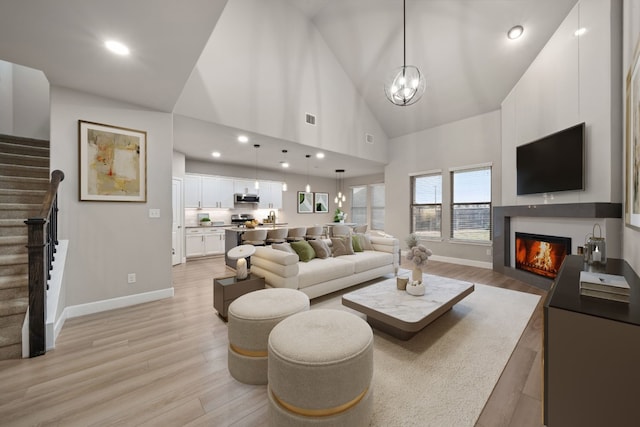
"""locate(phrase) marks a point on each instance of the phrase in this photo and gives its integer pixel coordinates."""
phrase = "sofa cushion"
(322, 270)
(365, 241)
(321, 248)
(342, 246)
(304, 250)
(355, 241)
(368, 260)
(286, 247)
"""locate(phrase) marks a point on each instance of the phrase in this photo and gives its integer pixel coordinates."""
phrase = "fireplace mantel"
(502, 231)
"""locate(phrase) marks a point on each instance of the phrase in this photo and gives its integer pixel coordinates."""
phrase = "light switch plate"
(154, 213)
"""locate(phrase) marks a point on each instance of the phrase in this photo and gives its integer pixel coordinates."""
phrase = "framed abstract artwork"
(321, 202)
(113, 163)
(632, 171)
(305, 202)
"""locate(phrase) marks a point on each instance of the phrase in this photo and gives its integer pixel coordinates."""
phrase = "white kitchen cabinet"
(208, 192)
(192, 191)
(217, 192)
(203, 241)
(270, 195)
(244, 186)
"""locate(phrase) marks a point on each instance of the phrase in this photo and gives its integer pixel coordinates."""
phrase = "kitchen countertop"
(260, 226)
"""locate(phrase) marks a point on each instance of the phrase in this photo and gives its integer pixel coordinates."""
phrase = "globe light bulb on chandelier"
(308, 186)
(256, 184)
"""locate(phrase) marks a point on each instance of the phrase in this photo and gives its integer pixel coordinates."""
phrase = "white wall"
(108, 240)
(573, 79)
(24, 101)
(630, 41)
(281, 68)
(472, 141)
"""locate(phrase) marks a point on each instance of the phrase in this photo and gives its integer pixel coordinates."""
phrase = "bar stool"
(340, 230)
(314, 232)
(277, 235)
(254, 237)
(296, 234)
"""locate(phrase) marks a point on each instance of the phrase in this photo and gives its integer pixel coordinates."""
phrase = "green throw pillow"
(304, 250)
(355, 240)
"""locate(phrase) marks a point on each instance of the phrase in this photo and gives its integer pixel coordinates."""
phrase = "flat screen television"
(553, 163)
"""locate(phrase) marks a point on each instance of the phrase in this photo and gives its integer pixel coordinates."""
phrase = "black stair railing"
(41, 244)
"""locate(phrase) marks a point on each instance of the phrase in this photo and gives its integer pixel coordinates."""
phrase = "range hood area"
(240, 198)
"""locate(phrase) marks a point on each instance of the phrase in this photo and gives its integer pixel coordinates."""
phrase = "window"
(377, 207)
(359, 205)
(426, 205)
(471, 207)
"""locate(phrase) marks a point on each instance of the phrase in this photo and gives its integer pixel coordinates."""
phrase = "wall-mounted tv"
(553, 163)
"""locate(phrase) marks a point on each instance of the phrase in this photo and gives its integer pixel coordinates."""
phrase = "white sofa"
(322, 276)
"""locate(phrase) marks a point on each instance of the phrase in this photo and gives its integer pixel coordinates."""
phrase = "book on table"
(602, 282)
(604, 295)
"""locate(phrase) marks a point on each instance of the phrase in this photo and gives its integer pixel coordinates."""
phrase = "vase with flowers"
(418, 255)
(339, 216)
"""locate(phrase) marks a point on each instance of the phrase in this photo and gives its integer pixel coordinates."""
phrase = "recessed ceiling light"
(284, 164)
(320, 155)
(116, 47)
(216, 154)
(243, 138)
(515, 32)
(580, 31)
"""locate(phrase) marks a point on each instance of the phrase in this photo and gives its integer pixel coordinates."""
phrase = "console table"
(591, 351)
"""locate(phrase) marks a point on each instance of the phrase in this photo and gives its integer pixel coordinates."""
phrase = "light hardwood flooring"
(164, 364)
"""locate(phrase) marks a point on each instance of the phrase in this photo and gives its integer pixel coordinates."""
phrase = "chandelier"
(406, 85)
(340, 196)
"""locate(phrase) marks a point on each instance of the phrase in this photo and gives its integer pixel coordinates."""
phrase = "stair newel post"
(37, 247)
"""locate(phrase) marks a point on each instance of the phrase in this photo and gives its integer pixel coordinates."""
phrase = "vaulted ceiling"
(460, 45)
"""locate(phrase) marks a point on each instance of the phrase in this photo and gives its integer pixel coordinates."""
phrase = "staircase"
(24, 178)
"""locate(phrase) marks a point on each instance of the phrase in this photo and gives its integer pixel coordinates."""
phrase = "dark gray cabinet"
(591, 352)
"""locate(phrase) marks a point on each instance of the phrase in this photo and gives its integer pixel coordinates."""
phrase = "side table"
(227, 289)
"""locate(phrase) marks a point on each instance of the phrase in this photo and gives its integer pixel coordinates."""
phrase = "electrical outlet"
(154, 213)
(131, 278)
(489, 251)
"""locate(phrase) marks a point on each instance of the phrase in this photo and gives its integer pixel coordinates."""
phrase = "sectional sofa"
(322, 276)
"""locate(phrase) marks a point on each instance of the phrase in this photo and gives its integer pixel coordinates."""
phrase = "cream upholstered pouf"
(251, 318)
(320, 370)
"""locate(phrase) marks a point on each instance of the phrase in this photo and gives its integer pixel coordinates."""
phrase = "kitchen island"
(233, 238)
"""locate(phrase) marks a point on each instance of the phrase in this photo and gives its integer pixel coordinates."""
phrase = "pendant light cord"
(404, 32)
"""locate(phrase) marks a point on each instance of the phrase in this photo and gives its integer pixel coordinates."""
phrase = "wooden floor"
(164, 364)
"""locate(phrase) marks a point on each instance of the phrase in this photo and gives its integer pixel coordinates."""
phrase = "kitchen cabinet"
(202, 241)
(217, 192)
(270, 195)
(208, 192)
(244, 186)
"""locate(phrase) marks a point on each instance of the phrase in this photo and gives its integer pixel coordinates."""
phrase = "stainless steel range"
(240, 219)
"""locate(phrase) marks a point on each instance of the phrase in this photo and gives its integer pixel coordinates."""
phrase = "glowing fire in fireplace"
(541, 255)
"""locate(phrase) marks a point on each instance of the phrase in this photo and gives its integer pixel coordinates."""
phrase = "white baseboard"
(462, 261)
(120, 302)
(459, 261)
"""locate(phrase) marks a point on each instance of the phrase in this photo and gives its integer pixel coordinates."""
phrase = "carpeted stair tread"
(13, 259)
(13, 240)
(10, 335)
(18, 210)
(13, 227)
(24, 183)
(14, 306)
(24, 160)
(16, 196)
(11, 352)
(14, 281)
(24, 171)
(29, 150)
(30, 142)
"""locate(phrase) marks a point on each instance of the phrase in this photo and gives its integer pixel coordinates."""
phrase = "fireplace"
(541, 255)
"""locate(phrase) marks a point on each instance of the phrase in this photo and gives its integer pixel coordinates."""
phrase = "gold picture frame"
(632, 161)
(113, 163)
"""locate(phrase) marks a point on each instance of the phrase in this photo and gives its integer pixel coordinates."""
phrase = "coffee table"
(400, 314)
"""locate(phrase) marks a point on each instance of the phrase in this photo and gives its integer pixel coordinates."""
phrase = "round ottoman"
(320, 370)
(251, 318)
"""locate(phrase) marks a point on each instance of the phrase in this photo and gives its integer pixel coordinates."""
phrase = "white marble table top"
(384, 298)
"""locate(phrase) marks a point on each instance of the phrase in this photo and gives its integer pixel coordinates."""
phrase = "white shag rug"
(445, 374)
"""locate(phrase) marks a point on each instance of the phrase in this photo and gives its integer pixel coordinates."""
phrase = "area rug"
(444, 375)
